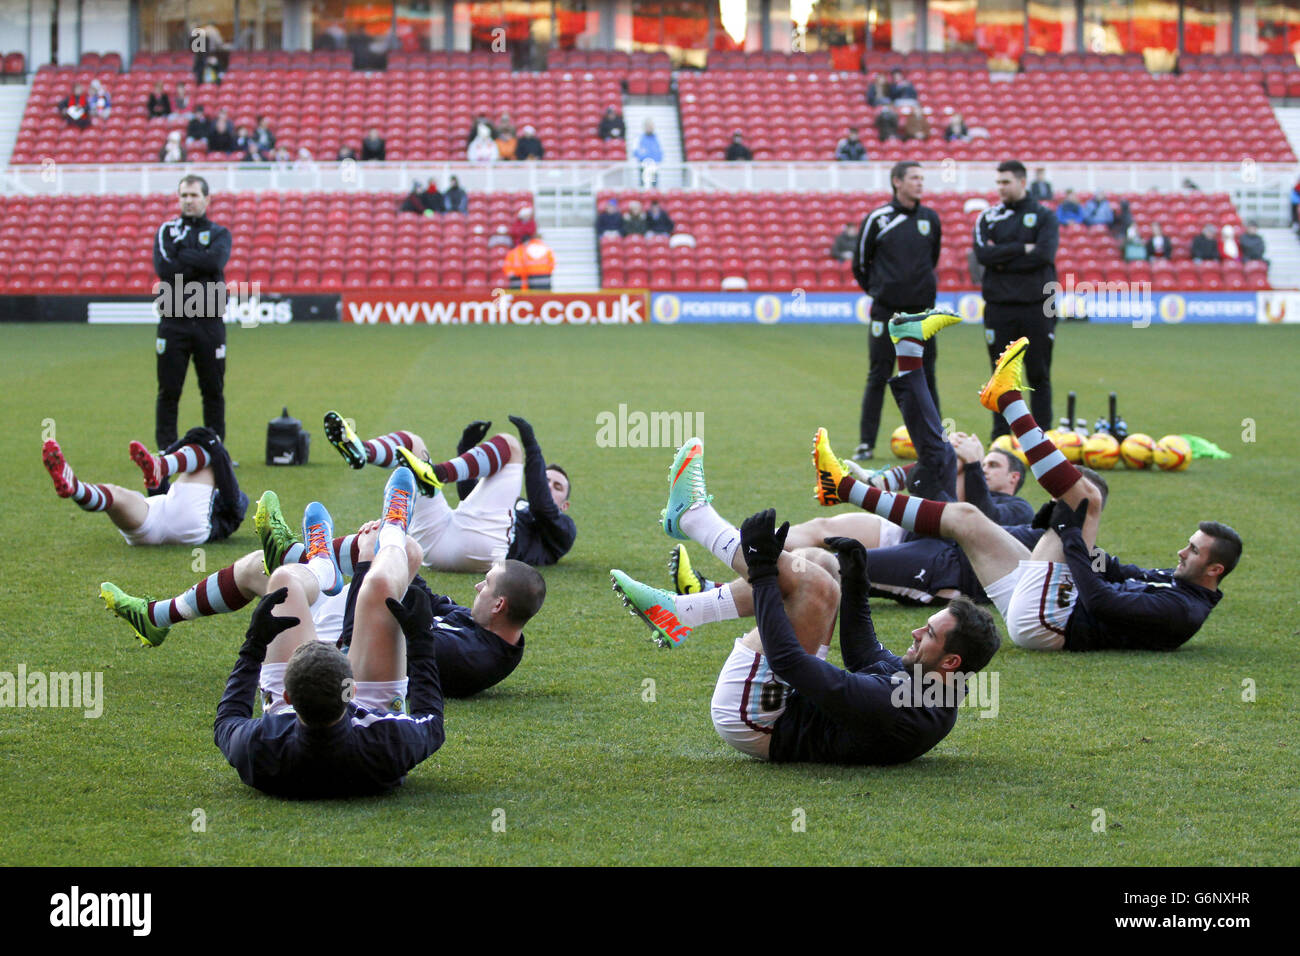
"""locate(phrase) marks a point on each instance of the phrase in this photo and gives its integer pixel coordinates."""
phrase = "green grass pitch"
(568, 758)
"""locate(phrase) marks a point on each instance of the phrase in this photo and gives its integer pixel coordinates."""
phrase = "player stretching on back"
(491, 523)
(336, 725)
(1056, 598)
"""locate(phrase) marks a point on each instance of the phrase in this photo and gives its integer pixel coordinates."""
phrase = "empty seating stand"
(781, 241)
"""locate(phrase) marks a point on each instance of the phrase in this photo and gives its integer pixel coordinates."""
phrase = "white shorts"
(1036, 601)
(890, 534)
(378, 697)
(182, 516)
(327, 616)
(747, 701)
(476, 534)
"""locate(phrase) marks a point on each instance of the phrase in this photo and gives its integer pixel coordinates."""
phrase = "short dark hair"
(974, 635)
(523, 588)
(316, 682)
(1015, 167)
(1098, 481)
(899, 171)
(1226, 549)
(554, 467)
(1014, 464)
(191, 178)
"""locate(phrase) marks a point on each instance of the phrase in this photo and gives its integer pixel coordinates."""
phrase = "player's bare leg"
(803, 577)
(303, 590)
(811, 533)
(378, 648)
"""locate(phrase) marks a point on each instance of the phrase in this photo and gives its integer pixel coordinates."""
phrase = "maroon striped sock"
(480, 461)
(382, 451)
(915, 514)
(216, 594)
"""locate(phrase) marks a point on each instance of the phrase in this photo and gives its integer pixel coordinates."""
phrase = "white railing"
(1259, 189)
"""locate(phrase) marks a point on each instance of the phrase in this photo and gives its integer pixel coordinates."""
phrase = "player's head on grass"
(315, 683)
(1003, 471)
(508, 596)
(1210, 555)
(1097, 481)
(961, 637)
(558, 479)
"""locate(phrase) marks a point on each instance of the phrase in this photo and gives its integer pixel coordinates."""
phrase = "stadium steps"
(1288, 117)
(13, 100)
(575, 257)
(1283, 254)
(663, 111)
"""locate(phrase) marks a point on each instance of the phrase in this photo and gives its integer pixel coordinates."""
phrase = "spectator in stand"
(346, 154)
(264, 137)
(878, 92)
(208, 69)
(101, 104)
(886, 123)
(243, 138)
(529, 146)
(181, 102)
(483, 148)
(283, 158)
(649, 154)
(955, 131)
(432, 199)
(1205, 248)
(1123, 219)
(844, 243)
(738, 151)
(75, 107)
(1040, 189)
(900, 88)
(634, 221)
(1228, 248)
(476, 129)
(500, 239)
(610, 221)
(612, 125)
(1069, 211)
(1134, 249)
(414, 201)
(507, 142)
(915, 125)
(530, 264)
(850, 149)
(173, 150)
(199, 128)
(524, 227)
(658, 222)
(454, 198)
(160, 104)
(1098, 211)
(1252, 243)
(1158, 244)
(304, 162)
(222, 137)
(373, 147)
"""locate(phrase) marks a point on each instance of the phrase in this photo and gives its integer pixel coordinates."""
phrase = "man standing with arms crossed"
(1016, 243)
(893, 262)
(190, 255)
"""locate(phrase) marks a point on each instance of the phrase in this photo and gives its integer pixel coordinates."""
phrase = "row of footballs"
(1099, 451)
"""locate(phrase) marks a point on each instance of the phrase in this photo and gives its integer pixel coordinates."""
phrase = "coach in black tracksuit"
(893, 261)
(190, 255)
(1016, 243)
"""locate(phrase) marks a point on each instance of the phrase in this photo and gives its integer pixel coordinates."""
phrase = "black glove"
(474, 433)
(415, 615)
(1064, 517)
(1043, 519)
(761, 544)
(853, 559)
(264, 627)
(525, 430)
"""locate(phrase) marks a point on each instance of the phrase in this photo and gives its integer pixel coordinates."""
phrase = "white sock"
(703, 525)
(706, 607)
(390, 536)
(323, 569)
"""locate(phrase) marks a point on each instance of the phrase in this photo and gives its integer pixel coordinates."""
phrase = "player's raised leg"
(186, 460)
(126, 509)
(381, 452)
(1003, 393)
